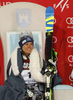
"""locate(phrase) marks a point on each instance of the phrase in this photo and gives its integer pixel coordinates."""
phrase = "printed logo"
(71, 76)
(23, 41)
(71, 84)
(70, 41)
(70, 58)
(4, 3)
(71, 65)
(62, 6)
(23, 17)
(54, 39)
(54, 20)
(28, 39)
(25, 65)
(69, 22)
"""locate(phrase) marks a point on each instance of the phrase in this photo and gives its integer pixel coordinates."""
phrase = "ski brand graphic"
(69, 22)
(23, 17)
(70, 41)
(49, 20)
(49, 23)
(62, 6)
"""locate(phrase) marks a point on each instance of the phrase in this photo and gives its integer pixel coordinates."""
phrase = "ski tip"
(49, 9)
(49, 18)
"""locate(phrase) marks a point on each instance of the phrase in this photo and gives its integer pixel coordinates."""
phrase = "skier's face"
(27, 48)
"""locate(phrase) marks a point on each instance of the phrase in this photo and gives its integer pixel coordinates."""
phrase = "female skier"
(28, 63)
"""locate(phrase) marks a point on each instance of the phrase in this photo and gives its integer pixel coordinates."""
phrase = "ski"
(49, 30)
(49, 18)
